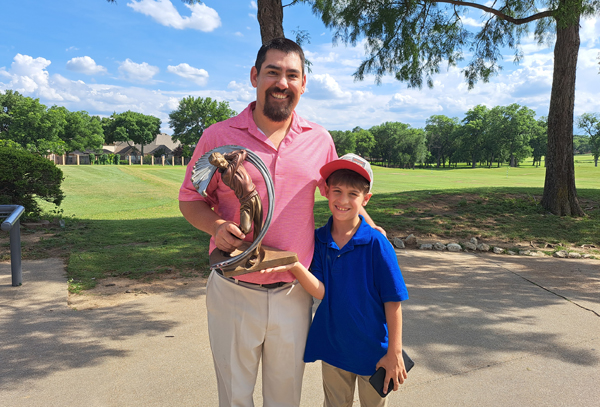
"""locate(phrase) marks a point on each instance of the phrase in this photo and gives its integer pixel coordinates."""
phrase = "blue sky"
(145, 55)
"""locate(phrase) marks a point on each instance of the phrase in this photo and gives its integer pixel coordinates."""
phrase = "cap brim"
(338, 164)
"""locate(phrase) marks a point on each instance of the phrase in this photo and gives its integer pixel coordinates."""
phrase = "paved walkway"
(484, 330)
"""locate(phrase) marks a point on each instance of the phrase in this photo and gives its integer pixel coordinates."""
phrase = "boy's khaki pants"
(247, 323)
(339, 387)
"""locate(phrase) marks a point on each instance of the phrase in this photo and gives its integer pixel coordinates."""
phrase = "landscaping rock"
(537, 254)
(524, 252)
(498, 250)
(561, 253)
(483, 247)
(574, 255)
(454, 247)
(411, 239)
(511, 252)
(426, 246)
(588, 256)
(470, 245)
(474, 240)
(398, 243)
(439, 246)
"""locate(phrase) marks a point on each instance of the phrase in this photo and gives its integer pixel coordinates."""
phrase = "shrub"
(25, 176)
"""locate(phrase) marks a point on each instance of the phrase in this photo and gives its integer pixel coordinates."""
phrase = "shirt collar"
(361, 236)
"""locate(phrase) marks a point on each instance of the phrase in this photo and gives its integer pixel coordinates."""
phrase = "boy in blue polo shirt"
(358, 325)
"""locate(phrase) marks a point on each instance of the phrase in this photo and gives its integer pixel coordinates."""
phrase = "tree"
(194, 115)
(131, 127)
(345, 141)
(410, 40)
(590, 123)
(539, 140)
(365, 142)
(440, 136)
(398, 144)
(29, 123)
(81, 131)
(473, 133)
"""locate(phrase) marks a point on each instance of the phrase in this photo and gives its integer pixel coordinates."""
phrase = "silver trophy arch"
(202, 174)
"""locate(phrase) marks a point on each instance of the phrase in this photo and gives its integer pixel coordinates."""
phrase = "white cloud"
(85, 65)
(203, 18)
(72, 49)
(242, 91)
(325, 87)
(137, 72)
(198, 76)
(253, 5)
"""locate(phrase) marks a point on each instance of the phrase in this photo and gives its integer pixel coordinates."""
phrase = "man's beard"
(275, 111)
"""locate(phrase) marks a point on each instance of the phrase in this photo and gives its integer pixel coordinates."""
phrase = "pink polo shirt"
(294, 168)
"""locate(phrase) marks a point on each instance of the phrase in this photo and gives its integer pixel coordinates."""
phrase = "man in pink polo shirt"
(256, 315)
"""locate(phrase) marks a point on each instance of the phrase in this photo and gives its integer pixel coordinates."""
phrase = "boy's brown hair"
(350, 179)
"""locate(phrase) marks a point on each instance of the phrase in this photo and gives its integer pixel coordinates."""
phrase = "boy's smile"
(345, 202)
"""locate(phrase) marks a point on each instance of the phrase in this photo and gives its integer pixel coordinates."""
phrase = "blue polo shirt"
(349, 330)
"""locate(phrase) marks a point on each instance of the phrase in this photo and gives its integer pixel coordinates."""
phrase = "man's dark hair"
(279, 44)
(350, 179)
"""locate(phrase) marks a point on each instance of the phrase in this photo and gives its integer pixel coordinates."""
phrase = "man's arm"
(227, 235)
(392, 362)
(365, 215)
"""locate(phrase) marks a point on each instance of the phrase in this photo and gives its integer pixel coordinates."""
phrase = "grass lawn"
(125, 221)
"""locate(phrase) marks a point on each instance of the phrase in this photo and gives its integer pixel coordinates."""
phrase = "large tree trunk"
(270, 18)
(560, 194)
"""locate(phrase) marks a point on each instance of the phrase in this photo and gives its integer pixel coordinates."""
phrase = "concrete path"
(484, 330)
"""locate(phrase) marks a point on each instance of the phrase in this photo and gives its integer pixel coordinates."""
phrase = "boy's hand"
(394, 369)
(279, 269)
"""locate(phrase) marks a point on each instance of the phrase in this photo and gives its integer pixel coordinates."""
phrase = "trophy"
(250, 256)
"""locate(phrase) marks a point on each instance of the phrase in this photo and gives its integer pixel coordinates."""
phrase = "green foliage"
(345, 141)
(441, 134)
(398, 144)
(81, 131)
(590, 123)
(25, 177)
(131, 126)
(194, 115)
(30, 124)
(365, 142)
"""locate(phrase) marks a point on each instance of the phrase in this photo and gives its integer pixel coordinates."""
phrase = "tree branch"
(499, 14)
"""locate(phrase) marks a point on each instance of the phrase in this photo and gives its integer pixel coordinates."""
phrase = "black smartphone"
(379, 376)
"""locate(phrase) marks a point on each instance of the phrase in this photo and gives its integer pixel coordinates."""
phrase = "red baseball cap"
(351, 162)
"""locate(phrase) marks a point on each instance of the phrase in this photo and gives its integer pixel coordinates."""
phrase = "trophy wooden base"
(269, 257)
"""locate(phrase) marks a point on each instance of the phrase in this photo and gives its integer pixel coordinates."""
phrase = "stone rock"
(524, 252)
(426, 246)
(474, 240)
(454, 247)
(411, 239)
(439, 246)
(511, 252)
(574, 255)
(537, 254)
(483, 247)
(587, 256)
(398, 243)
(470, 246)
(498, 250)
(561, 253)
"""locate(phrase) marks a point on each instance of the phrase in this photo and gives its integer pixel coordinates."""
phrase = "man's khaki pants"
(248, 322)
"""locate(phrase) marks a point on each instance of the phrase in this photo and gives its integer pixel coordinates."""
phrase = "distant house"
(162, 144)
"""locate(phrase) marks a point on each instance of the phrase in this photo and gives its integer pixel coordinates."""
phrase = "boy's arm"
(309, 282)
(392, 362)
